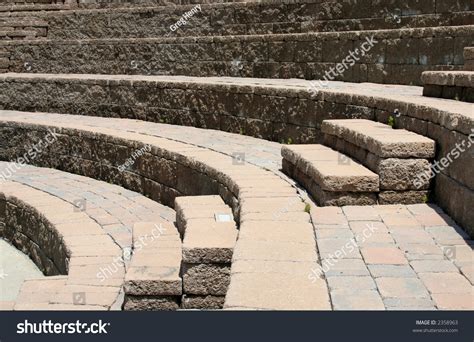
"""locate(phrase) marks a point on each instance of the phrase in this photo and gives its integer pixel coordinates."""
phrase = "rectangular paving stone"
(447, 282)
(409, 304)
(368, 226)
(344, 267)
(277, 232)
(384, 255)
(454, 301)
(338, 249)
(349, 299)
(274, 251)
(375, 240)
(273, 291)
(394, 271)
(328, 216)
(396, 287)
(334, 233)
(433, 266)
(361, 213)
(302, 269)
(352, 282)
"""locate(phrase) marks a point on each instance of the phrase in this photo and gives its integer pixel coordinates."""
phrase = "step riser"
(324, 197)
(308, 56)
(450, 85)
(236, 20)
(207, 250)
(395, 174)
(465, 94)
(403, 164)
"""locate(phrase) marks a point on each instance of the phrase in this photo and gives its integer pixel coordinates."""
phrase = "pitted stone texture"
(151, 303)
(206, 279)
(145, 18)
(446, 122)
(202, 302)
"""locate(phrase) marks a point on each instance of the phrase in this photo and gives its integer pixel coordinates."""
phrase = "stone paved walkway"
(380, 257)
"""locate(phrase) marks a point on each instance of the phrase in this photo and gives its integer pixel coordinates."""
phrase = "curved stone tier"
(250, 190)
(238, 19)
(46, 228)
(107, 213)
(397, 56)
(456, 85)
(275, 263)
(281, 110)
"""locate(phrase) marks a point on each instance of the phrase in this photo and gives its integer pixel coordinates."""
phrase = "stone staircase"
(118, 87)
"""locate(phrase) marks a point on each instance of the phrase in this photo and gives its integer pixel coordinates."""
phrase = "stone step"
(271, 109)
(200, 208)
(331, 177)
(208, 246)
(153, 280)
(231, 19)
(401, 158)
(469, 58)
(202, 170)
(49, 234)
(455, 85)
(393, 58)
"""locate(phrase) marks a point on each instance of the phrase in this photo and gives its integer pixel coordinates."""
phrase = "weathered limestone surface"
(206, 279)
(216, 166)
(249, 18)
(394, 57)
(151, 303)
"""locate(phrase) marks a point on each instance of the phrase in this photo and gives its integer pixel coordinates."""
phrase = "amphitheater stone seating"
(267, 56)
(182, 128)
(401, 158)
(153, 280)
(58, 248)
(208, 244)
(331, 177)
